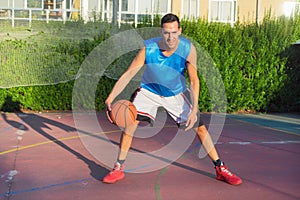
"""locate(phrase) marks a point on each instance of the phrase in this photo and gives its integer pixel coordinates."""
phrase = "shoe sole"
(111, 182)
(236, 184)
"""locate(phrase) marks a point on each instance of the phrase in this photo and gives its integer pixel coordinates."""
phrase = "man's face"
(170, 33)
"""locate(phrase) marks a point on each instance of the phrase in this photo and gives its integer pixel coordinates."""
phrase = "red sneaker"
(223, 174)
(115, 175)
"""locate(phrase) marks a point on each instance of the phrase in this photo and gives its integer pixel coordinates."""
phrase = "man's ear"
(180, 30)
(161, 31)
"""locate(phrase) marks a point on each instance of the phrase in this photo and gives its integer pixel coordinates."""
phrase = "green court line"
(157, 186)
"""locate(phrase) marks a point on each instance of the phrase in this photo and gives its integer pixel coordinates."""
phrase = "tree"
(115, 11)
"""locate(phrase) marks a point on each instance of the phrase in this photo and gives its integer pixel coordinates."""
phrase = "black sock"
(218, 163)
(120, 161)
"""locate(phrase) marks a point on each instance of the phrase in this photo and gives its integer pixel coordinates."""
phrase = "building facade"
(227, 11)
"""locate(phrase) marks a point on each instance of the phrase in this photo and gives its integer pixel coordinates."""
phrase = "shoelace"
(114, 170)
(223, 169)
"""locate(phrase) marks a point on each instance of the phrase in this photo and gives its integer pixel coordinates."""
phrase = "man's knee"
(201, 130)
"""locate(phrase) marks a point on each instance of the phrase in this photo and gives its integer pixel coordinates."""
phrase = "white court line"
(261, 142)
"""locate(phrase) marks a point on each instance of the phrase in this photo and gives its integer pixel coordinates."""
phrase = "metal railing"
(38, 14)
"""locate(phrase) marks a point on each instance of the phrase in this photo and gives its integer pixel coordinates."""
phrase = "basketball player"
(163, 85)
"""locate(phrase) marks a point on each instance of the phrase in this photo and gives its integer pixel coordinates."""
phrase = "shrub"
(257, 63)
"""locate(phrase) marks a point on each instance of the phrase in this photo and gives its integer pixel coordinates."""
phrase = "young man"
(163, 85)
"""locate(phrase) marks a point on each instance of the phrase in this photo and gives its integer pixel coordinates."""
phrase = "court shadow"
(40, 124)
(10, 105)
(15, 124)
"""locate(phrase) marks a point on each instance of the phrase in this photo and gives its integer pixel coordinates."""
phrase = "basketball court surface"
(43, 156)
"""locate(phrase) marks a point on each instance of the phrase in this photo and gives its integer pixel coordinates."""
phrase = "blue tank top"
(164, 75)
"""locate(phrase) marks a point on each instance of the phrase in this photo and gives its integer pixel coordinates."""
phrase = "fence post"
(114, 11)
(84, 12)
(152, 12)
(64, 12)
(102, 10)
(169, 6)
(30, 17)
(136, 8)
(120, 13)
(47, 16)
(13, 17)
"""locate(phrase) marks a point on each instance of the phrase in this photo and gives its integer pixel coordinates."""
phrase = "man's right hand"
(108, 103)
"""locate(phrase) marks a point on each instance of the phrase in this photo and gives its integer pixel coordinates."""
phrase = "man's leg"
(222, 172)
(125, 142)
(207, 143)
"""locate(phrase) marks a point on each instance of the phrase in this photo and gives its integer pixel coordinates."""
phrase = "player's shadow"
(10, 105)
(39, 124)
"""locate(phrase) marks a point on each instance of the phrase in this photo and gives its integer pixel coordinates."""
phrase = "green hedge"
(258, 64)
(252, 60)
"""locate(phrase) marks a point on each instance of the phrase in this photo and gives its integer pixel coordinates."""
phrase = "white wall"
(11, 3)
(146, 6)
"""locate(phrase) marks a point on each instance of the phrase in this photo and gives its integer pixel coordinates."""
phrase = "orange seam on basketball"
(125, 116)
(118, 107)
(132, 114)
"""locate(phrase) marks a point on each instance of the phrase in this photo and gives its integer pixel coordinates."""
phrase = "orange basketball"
(123, 113)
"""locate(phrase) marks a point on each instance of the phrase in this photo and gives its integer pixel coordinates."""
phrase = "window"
(4, 4)
(124, 5)
(16, 4)
(290, 8)
(222, 11)
(52, 4)
(34, 3)
(190, 8)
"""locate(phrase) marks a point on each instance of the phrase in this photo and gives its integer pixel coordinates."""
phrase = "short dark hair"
(168, 18)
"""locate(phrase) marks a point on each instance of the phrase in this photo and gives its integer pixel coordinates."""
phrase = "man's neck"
(165, 49)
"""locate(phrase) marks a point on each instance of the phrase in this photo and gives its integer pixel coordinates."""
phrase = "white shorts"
(147, 104)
